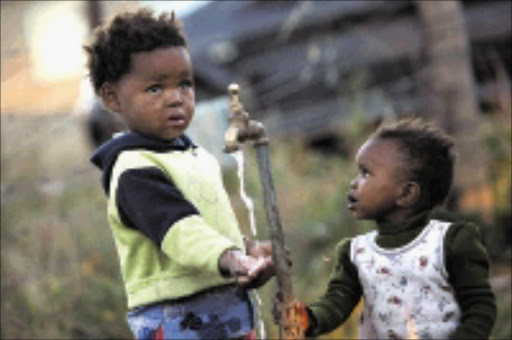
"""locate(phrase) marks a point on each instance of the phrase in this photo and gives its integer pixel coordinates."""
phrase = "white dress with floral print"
(405, 290)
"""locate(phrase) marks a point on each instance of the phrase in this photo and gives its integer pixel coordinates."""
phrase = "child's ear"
(409, 195)
(109, 97)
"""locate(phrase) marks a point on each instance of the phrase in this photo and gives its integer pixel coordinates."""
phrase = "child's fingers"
(249, 268)
(261, 273)
(261, 248)
(260, 264)
(243, 280)
(266, 247)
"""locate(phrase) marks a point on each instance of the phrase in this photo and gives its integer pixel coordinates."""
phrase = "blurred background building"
(302, 65)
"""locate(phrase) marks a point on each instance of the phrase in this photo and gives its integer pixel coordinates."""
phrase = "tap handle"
(234, 91)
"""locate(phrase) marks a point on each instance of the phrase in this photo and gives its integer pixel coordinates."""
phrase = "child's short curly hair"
(431, 157)
(110, 49)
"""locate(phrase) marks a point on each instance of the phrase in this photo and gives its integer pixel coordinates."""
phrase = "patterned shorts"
(220, 313)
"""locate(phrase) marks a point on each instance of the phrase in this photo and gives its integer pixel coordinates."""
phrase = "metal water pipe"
(240, 130)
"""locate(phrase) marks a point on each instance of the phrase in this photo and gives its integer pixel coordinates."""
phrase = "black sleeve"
(468, 268)
(341, 297)
(148, 200)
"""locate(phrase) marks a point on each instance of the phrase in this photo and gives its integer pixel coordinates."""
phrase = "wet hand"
(248, 271)
(261, 269)
(258, 248)
(263, 249)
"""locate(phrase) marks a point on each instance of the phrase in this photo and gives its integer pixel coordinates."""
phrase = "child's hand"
(263, 271)
(258, 248)
(249, 271)
(263, 249)
(295, 310)
(233, 263)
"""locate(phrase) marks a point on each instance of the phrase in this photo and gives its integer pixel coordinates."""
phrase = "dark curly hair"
(111, 46)
(430, 155)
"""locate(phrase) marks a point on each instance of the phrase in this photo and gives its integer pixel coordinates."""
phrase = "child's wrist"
(309, 321)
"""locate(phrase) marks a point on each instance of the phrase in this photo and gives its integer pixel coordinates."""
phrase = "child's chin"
(359, 216)
(354, 212)
(171, 136)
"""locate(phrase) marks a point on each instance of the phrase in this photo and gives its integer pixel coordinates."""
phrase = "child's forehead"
(164, 52)
(376, 149)
(158, 62)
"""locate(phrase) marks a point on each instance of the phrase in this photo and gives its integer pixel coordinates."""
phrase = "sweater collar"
(416, 221)
(105, 156)
(397, 234)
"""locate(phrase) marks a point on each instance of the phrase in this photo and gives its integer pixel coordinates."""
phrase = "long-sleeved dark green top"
(466, 261)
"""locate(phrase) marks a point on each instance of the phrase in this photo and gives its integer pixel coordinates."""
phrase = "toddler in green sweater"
(185, 265)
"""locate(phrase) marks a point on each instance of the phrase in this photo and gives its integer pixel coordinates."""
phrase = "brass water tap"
(240, 127)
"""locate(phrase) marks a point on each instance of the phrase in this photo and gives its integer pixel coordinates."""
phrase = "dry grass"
(59, 272)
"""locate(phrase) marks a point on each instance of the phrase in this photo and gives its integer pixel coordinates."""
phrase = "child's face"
(374, 192)
(156, 98)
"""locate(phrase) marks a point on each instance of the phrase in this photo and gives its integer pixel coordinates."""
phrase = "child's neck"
(406, 222)
(399, 233)
(398, 216)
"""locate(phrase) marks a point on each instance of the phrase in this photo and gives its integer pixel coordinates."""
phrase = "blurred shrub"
(60, 277)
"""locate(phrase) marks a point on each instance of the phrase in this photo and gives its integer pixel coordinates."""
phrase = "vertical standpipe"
(240, 130)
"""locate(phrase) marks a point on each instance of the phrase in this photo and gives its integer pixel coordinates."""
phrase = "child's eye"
(364, 172)
(156, 88)
(186, 84)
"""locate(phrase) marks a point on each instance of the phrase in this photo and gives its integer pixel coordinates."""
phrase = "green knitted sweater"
(170, 216)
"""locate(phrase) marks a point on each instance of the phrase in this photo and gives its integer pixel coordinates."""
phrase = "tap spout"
(241, 128)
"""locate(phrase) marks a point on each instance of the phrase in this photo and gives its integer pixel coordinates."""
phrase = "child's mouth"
(176, 121)
(352, 201)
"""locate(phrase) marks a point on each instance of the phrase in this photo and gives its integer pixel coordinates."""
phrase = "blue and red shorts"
(219, 313)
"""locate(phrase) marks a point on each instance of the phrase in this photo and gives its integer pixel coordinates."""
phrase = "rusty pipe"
(240, 130)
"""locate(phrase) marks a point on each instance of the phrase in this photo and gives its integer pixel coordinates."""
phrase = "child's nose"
(353, 183)
(173, 97)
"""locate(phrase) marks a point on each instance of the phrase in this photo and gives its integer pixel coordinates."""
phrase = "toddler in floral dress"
(419, 277)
